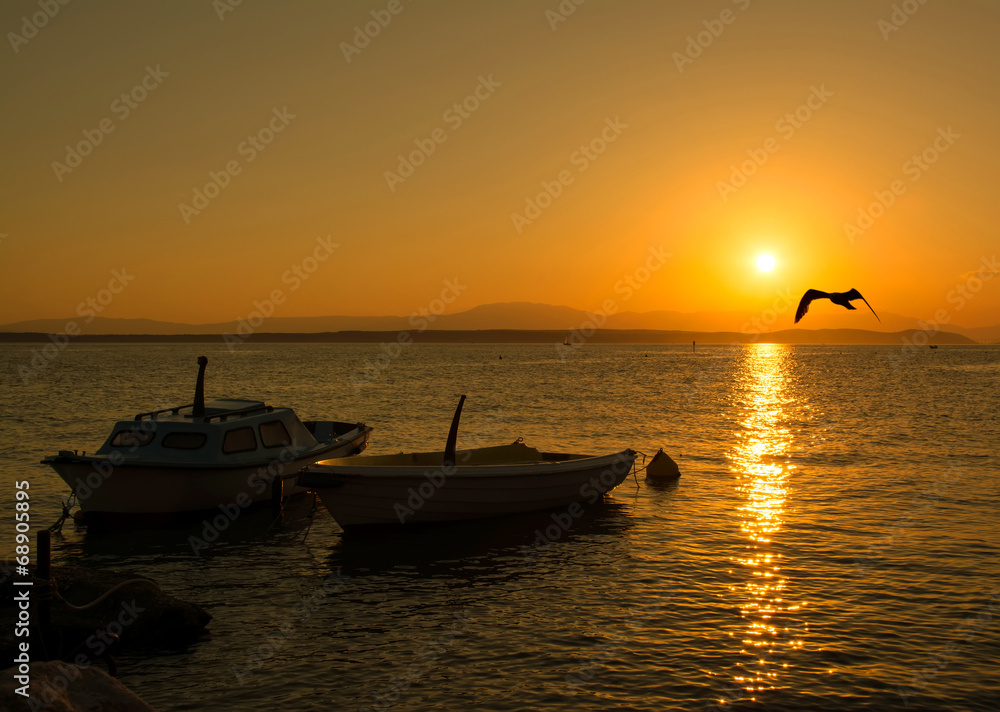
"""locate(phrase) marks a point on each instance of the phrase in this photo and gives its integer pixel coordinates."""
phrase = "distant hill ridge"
(908, 341)
(515, 316)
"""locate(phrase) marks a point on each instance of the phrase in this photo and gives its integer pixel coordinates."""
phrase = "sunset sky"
(556, 154)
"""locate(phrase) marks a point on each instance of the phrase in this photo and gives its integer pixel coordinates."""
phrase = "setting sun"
(765, 263)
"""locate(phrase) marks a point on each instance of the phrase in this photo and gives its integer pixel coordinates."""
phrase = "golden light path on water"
(759, 459)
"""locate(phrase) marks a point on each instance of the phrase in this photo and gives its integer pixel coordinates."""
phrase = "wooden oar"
(449, 448)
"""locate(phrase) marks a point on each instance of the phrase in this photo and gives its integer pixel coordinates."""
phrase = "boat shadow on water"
(198, 534)
(505, 545)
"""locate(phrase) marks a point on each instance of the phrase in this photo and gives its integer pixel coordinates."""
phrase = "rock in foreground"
(138, 614)
(61, 687)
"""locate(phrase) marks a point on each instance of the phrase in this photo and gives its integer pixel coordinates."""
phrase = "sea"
(833, 542)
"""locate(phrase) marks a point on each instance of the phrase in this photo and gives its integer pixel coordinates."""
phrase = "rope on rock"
(56, 595)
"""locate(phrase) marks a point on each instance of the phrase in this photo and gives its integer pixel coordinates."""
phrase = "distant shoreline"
(911, 337)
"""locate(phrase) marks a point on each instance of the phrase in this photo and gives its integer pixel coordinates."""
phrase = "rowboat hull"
(488, 482)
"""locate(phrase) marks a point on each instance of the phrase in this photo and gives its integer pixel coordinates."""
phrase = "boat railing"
(243, 411)
(222, 416)
(153, 413)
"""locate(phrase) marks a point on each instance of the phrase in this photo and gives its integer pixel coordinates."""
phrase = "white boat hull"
(361, 492)
(104, 489)
(200, 456)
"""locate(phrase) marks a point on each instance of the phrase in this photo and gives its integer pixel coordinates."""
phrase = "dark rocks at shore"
(61, 687)
(138, 613)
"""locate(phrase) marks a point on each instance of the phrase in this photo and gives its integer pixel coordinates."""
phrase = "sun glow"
(765, 263)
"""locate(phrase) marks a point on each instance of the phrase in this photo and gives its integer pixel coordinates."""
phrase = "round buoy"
(662, 467)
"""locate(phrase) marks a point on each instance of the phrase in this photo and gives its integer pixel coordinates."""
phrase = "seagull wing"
(855, 294)
(806, 299)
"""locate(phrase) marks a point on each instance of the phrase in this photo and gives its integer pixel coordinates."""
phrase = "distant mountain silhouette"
(911, 339)
(524, 316)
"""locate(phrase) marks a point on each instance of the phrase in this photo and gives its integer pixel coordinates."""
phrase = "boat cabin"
(229, 430)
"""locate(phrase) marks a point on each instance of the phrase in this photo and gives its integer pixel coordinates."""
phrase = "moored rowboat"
(484, 482)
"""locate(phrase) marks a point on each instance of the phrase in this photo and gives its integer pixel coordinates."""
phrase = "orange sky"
(632, 124)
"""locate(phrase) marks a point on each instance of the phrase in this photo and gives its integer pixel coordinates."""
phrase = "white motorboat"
(454, 485)
(201, 456)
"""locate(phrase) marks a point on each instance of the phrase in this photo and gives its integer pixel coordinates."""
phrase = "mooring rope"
(312, 515)
(636, 470)
(66, 506)
(54, 587)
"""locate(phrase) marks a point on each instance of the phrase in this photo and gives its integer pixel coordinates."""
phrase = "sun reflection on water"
(759, 459)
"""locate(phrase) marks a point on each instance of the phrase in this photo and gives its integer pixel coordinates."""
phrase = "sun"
(765, 263)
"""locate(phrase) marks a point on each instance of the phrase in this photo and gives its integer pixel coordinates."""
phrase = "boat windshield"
(239, 440)
(274, 434)
(132, 438)
(184, 440)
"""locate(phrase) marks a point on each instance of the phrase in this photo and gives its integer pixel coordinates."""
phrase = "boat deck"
(515, 454)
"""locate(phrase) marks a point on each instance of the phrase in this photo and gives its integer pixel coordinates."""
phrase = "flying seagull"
(844, 299)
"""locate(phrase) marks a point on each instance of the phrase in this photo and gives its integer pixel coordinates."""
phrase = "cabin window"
(239, 440)
(132, 438)
(273, 434)
(184, 441)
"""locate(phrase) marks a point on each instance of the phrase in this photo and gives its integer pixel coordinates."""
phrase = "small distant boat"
(196, 457)
(411, 488)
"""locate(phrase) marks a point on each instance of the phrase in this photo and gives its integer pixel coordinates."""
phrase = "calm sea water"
(832, 544)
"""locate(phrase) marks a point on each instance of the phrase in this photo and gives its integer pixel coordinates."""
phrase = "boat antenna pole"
(449, 448)
(198, 409)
